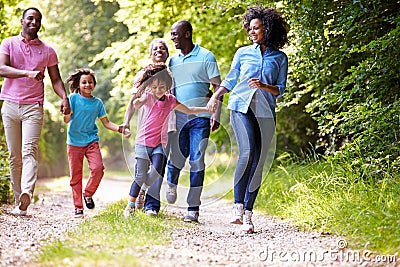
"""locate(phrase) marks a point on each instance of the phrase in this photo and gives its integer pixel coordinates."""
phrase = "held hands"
(65, 107)
(213, 105)
(123, 129)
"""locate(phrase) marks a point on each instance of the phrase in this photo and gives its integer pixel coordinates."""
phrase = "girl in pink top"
(152, 137)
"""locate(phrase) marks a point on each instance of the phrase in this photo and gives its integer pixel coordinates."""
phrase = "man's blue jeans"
(254, 136)
(190, 140)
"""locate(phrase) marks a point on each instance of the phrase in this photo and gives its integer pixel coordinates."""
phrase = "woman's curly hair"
(75, 78)
(275, 27)
(153, 71)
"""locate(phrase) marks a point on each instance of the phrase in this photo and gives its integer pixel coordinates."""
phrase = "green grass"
(330, 198)
(108, 239)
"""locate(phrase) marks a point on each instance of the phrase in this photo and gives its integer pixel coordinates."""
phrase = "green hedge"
(4, 169)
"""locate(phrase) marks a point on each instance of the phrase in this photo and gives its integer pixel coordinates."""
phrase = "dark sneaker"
(139, 203)
(89, 202)
(171, 194)
(78, 213)
(191, 216)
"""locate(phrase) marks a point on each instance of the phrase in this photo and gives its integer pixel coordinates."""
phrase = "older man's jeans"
(190, 140)
(254, 136)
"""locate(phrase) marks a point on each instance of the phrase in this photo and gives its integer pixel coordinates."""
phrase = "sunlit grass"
(109, 239)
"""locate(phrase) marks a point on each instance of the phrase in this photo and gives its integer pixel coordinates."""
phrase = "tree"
(347, 61)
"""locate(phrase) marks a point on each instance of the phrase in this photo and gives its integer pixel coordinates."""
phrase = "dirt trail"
(212, 242)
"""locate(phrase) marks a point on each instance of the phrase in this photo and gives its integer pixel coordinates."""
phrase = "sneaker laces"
(237, 211)
(171, 190)
(247, 217)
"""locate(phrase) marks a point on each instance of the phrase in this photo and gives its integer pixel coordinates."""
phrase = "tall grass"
(333, 198)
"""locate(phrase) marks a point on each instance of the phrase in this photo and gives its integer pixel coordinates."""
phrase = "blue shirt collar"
(194, 51)
(268, 50)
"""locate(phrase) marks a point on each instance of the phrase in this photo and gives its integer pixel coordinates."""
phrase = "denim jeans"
(146, 156)
(152, 200)
(254, 136)
(22, 126)
(190, 140)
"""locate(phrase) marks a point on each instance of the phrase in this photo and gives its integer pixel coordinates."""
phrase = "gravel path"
(212, 242)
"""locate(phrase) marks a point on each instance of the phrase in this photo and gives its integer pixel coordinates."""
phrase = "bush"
(4, 168)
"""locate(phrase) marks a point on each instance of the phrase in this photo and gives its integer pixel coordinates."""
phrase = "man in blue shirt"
(193, 69)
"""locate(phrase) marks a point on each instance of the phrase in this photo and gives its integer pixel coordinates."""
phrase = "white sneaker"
(151, 212)
(248, 226)
(17, 212)
(237, 214)
(170, 194)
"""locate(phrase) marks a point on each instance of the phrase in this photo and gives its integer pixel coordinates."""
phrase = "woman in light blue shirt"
(256, 79)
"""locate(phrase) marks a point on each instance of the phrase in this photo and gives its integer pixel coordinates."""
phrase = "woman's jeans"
(190, 140)
(22, 126)
(254, 136)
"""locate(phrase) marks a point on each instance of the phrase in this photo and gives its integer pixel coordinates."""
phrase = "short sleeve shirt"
(153, 124)
(192, 74)
(26, 55)
(82, 129)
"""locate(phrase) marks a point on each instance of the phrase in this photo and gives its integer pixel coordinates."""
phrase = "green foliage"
(4, 167)
(155, 20)
(328, 197)
(347, 60)
(342, 95)
(52, 148)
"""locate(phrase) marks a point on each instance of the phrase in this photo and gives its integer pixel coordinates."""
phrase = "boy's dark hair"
(154, 71)
(75, 78)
